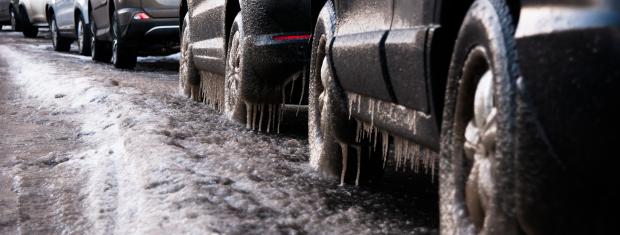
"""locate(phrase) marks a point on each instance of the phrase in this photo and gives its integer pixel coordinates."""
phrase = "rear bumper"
(272, 63)
(570, 79)
(567, 124)
(154, 34)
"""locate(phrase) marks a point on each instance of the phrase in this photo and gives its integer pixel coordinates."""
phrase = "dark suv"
(123, 30)
(241, 56)
(514, 98)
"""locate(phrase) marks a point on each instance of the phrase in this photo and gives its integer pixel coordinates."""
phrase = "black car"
(512, 98)
(123, 30)
(245, 57)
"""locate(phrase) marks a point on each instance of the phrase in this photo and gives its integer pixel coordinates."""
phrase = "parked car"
(5, 15)
(28, 16)
(516, 97)
(68, 22)
(240, 56)
(124, 30)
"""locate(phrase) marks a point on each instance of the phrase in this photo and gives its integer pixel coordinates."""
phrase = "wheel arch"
(23, 12)
(451, 16)
(232, 9)
(82, 8)
(49, 11)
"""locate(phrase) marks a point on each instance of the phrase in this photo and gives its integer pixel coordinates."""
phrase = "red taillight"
(141, 16)
(292, 37)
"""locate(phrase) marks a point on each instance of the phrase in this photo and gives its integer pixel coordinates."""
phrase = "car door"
(406, 52)
(64, 14)
(100, 13)
(4, 11)
(356, 52)
(207, 27)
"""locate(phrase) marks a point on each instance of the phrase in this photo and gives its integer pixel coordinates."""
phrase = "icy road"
(88, 149)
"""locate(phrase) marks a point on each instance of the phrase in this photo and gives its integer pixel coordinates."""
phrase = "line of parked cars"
(109, 31)
(510, 98)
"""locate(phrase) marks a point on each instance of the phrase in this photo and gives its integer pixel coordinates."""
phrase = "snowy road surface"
(88, 149)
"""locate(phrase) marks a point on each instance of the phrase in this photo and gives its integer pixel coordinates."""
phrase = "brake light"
(292, 37)
(141, 16)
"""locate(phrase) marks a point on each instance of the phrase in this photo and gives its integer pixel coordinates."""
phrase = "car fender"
(82, 7)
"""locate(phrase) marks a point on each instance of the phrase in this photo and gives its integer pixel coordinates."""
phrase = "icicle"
(416, 153)
(290, 97)
(350, 107)
(280, 118)
(269, 119)
(303, 89)
(358, 131)
(386, 146)
(345, 155)
(359, 165)
(260, 120)
(359, 103)
(433, 167)
(254, 110)
(375, 140)
(248, 115)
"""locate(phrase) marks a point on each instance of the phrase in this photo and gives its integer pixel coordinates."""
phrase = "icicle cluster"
(212, 90)
(408, 155)
(255, 116)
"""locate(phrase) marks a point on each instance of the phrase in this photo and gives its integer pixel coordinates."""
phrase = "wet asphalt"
(86, 148)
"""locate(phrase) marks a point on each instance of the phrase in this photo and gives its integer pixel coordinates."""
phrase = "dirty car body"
(276, 34)
(397, 53)
(67, 14)
(30, 15)
(149, 27)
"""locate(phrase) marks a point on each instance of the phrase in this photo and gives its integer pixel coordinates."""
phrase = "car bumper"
(156, 31)
(567, 124)
(570, 79)
(272, 63)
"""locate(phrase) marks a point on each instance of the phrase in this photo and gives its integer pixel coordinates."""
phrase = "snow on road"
(144, 160)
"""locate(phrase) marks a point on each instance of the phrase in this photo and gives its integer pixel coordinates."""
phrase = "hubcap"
(479, 149)
(322, 96)
(80, 35)
(54, 33)
(114, 51)
(93, 47)
(232, 80)
(13, 21)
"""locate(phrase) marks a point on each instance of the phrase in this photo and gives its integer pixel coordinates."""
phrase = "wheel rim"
(325, 155)
(319, 89)
(114, 51)
(477, 132)
(54, 33)
(184, 67)
(233, 77)
(93, 30)
(13, 21)
(93, 48)
(80, 34)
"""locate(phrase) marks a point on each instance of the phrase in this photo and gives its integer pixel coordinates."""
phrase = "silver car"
(28, 16)
(68, 22)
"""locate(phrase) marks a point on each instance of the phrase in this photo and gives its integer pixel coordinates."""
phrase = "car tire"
(234, 104)
(83, 33)
(29, 30)
(100, 51)
(477, 139)
(189, 78)
(334, 147)
(123, 56)
(59, 42)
